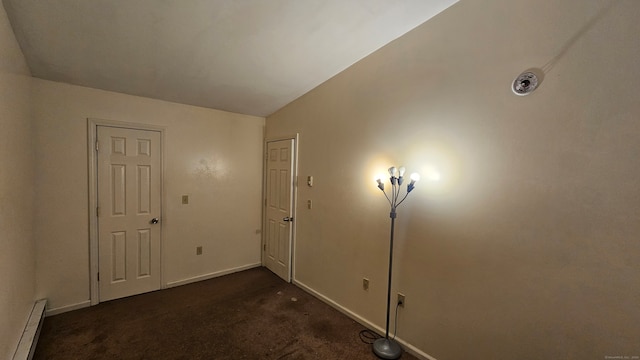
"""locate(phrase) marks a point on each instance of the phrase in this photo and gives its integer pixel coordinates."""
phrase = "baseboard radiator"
(27, 345)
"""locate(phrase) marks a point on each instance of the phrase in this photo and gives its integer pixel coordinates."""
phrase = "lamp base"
(387, 349)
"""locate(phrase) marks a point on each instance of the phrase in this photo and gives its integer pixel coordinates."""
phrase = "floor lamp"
(386, 348)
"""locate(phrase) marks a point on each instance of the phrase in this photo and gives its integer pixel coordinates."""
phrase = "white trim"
(212, 275)
(27, 345)
(364, 322)
(87, 303)
(92, 126)
(67, 308)
(296, 145)
(294, 206)
(93, 218)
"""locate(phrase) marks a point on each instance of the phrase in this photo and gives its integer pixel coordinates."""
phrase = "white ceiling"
(245, 56)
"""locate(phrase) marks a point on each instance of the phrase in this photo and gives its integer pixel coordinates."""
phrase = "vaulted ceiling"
(245, 56)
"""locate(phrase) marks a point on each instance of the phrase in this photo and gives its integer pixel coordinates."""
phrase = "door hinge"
(98, 276)
(97, 146)
(98, 211)
(265, 202)
(264, 247)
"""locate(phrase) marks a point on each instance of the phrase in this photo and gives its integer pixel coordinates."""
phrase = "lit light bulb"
(392, 171)
(414, 178)
(401, 171)
(378, 179)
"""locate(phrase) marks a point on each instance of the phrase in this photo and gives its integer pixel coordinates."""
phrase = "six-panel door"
(279, 202)
(129, 171)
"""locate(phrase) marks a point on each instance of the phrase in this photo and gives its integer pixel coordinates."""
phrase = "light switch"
(309, 204)
(310, 181)
(185, 199)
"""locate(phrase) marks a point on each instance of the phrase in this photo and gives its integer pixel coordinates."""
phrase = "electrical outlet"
(199, 250)
(365, 283)
(401, 299)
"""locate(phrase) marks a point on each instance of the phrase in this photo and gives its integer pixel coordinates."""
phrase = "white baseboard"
(27, 345)
(63, 309)
(87, 303)
(211, 275)
(408, 347)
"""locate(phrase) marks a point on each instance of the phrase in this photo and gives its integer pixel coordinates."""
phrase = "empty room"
(377, 179)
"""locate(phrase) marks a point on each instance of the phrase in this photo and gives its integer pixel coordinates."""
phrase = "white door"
(279, 205)
(129, 170)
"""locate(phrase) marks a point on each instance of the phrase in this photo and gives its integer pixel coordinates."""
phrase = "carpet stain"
(99, 338)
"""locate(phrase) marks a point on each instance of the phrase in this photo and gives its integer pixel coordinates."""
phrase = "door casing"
(294, 207)
(92, 131)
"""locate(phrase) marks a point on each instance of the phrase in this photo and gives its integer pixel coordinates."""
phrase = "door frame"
(294, 201)
(92, 136)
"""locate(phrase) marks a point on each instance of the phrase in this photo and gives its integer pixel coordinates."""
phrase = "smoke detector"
(525, 83)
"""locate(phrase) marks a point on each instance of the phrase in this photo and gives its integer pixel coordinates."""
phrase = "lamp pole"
(392, 215)
(387, 348)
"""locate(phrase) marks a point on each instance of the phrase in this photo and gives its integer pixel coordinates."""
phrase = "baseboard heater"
(27, 345)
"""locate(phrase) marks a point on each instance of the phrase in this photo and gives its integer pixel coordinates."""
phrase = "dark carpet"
(252, 314)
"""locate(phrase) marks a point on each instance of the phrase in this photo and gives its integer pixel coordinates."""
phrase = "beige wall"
(528, 246)
(212, 156)
(17, 253)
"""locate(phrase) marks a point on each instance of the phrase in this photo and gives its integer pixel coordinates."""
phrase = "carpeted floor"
(252, 314)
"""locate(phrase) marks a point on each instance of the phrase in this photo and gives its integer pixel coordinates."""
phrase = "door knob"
(154, 221)
(287, 219)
